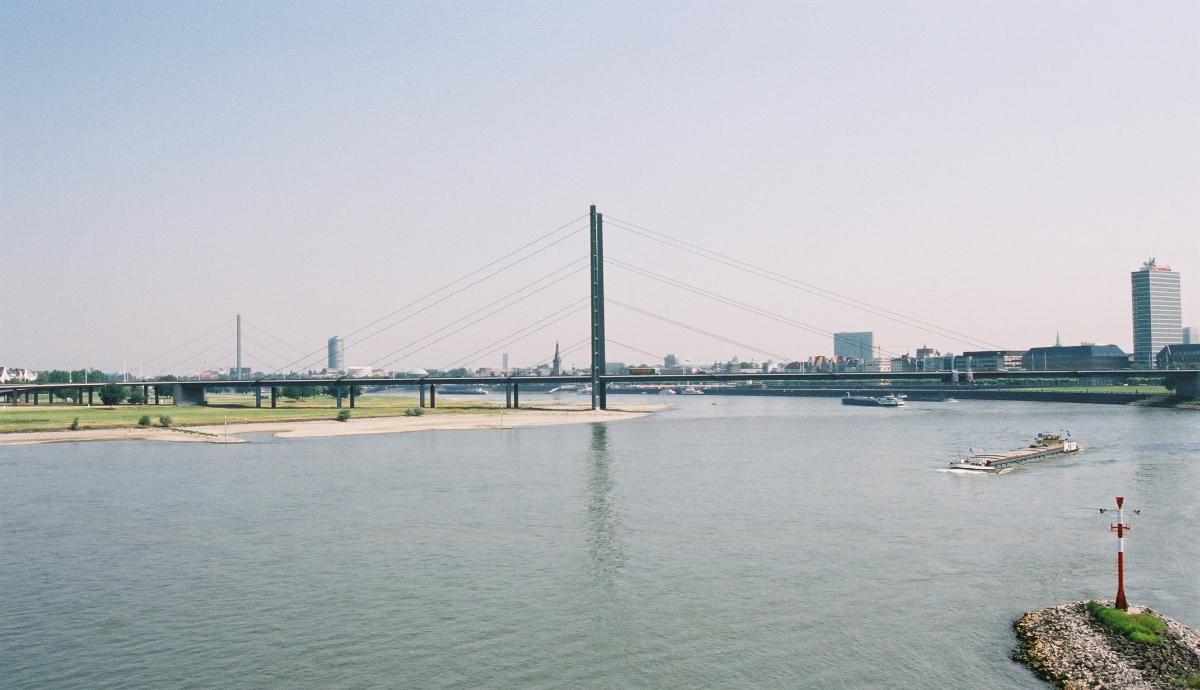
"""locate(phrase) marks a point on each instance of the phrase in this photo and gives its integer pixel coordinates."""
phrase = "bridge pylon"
(599, 397)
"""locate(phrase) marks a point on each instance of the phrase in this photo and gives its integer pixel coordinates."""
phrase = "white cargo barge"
(1044, 446)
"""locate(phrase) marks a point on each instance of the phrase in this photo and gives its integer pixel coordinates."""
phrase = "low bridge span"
(1187, 383)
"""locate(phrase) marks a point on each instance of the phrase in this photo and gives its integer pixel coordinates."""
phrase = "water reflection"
(604, 553)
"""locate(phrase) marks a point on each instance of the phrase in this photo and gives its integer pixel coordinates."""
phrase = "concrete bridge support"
(258, 396)
(188, 395)
(516, 396)
(432, 396)
(421, 395)
(91, 392)
(1188, 385)
(353, 397)
(274, 396)
(156, 399)
(508, 395)
(337, 395)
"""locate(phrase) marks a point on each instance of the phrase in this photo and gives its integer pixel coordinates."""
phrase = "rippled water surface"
(758, 542)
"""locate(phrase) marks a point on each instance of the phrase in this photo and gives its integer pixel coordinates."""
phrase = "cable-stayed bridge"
(281, 359)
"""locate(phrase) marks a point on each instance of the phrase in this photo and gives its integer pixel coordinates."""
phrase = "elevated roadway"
(1187, 382)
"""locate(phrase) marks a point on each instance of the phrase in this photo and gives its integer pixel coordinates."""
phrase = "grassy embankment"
(236, 409)
(1139, 627)
(1146, 390)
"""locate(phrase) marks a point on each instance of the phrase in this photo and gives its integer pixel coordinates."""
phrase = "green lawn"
(1148, 390)
(236, 409)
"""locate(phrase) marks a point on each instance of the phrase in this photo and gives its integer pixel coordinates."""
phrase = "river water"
(758, 542)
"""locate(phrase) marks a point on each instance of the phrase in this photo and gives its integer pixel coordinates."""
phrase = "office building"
(1157, 316)
(1178, 356)
(854, 345)
(1075, 358)
(335, 351)
(1190, 336)
(991, 360)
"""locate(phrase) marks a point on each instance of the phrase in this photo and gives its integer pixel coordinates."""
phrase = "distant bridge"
(1187, 383)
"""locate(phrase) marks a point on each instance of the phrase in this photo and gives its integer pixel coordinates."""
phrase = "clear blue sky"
(997, 168)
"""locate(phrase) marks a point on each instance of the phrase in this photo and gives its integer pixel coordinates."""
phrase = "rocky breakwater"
(1070, 646)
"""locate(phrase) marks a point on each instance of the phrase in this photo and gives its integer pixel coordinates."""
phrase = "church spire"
(1057, 339)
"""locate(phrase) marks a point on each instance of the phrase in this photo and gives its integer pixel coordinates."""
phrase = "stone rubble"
(1067, 646)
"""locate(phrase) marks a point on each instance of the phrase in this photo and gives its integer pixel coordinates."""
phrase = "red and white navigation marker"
(1121, 528)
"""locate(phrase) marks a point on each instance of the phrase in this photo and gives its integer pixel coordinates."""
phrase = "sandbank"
(215, 433)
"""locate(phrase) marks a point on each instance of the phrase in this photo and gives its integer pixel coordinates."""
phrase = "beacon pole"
(1121, 528)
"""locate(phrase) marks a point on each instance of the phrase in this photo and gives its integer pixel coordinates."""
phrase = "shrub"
(1139, 627)
(74, 424)
(112, 394)
(1144, 638)
(144, 420)
(164, 420)
(343, 415)
(413, 412)
(136, 396)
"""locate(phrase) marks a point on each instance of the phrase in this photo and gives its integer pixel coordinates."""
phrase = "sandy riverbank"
(501, 419)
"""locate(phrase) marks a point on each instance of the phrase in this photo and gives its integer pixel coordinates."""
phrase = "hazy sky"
(993, 168)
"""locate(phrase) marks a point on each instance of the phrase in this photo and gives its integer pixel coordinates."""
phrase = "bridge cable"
(201, 353)
(696, 329)
(189, 342)
(800, 285)
(270, 335)
(733, 302)
(573, 347)
(518, 335)
(485, 316)
(252, 341)
(447, 286)
(630, 347)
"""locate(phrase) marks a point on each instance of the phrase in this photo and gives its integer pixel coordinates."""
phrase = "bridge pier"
(508, 395)
(432, 396)
(274, 396)
(421, 395)
(91, 392)
(337, 394)
(36, 395)
(258, 396)
(79, 397)
(352, 396)
(188, 395)
(1188, 386)
(156, 400)
(516, 395)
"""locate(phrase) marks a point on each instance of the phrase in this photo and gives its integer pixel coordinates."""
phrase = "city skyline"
(315, 170)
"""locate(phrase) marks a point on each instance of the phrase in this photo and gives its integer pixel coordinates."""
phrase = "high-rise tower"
(1157, 316)
(557, 370)
(334, 351)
